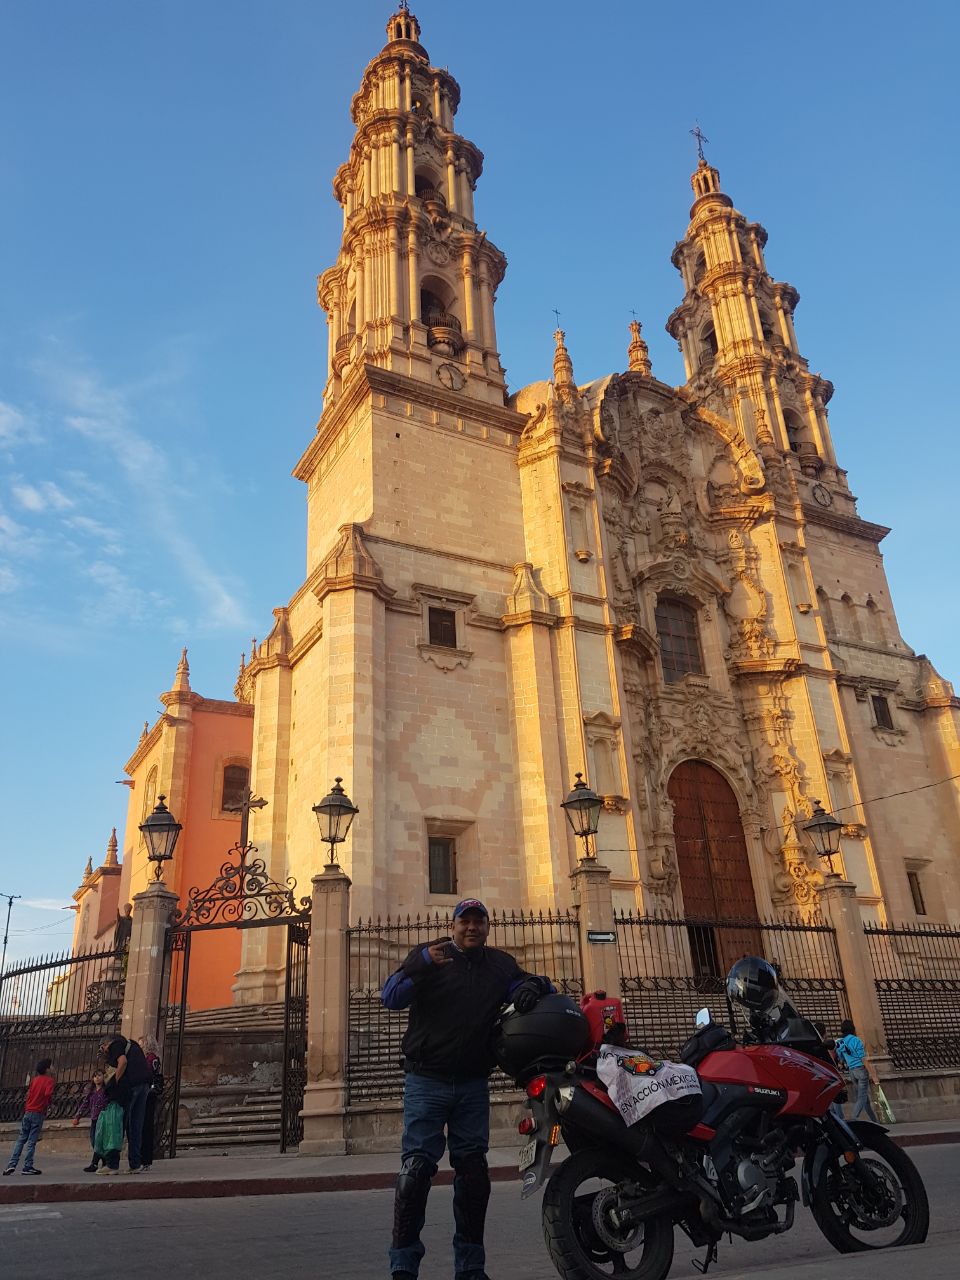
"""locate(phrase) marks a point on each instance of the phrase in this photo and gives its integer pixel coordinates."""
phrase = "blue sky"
(165, 207)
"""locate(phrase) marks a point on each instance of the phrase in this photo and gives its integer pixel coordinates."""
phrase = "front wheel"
(588, 1236)
(878, 1202)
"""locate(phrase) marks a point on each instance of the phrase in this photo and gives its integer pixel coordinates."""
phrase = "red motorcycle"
(721, 1162)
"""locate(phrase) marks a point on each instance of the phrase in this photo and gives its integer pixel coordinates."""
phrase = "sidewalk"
(265, 1173)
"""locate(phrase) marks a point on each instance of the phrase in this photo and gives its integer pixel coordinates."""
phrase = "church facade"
(667, 589)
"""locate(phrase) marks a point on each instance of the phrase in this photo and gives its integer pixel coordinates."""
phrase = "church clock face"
(822, 495)
(451, 377)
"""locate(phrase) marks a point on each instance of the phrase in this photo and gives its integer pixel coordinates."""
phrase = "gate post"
(838, 900)
(324, 1098)
(601, 960)
(152, 911)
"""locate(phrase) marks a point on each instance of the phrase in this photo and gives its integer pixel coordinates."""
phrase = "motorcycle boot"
(409, 1212)
(471, 1192)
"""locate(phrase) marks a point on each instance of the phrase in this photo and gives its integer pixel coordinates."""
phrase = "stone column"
(838, 902)
(141, 999)
(601, 960)
(325, 1097)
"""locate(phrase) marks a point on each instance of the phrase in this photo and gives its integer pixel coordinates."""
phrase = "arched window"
(699, 267)
(768, 327)
(826, 613)
(427, 185)
(236, 779)
(798, 432)
(874, 622)
(708, 345)
(679, 638)
(850, 618)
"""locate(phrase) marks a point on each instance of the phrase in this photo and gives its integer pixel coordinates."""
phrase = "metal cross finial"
(701, 139)
(249, 801)
(557, 314)
(633, 313)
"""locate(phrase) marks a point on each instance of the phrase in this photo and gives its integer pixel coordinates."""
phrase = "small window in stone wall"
(881, 712)
(442, 853)
(443, 628)
(916, 892)
(236, 779)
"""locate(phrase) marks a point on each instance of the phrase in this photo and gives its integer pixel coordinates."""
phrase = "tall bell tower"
(414, 283)
(735, 330)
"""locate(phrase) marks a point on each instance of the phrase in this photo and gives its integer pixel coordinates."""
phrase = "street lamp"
(824, 830)
(161, 832)
(582, 807)
(335, 813)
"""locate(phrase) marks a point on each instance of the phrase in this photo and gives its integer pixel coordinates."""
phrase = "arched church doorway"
(715, 876)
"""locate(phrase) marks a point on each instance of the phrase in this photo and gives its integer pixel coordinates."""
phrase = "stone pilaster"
(325, 1099)
(601, 960)
(152, 910)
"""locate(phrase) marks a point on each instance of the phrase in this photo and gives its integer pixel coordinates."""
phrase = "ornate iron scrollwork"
(244, 890)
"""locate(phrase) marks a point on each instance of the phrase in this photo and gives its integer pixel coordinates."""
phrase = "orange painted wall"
(222, 734)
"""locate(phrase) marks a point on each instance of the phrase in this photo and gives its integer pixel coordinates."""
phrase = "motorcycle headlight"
(564, 1097)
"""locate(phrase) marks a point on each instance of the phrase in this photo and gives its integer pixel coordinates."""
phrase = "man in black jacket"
(454, 990)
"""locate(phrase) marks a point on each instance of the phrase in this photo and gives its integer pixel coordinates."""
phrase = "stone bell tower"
(414, 283)
(735, 329)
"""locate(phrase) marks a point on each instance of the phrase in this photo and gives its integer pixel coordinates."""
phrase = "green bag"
(109, 1134)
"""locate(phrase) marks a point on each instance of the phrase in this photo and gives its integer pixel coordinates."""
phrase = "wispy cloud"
(15, 539)
(8, 580)
(15, 425)
(107, 417)
(45, 496)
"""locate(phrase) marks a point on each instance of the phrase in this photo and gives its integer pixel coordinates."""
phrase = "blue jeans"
(30, 1127)
(134, 1113)
(462, 1107)
(861, 1079)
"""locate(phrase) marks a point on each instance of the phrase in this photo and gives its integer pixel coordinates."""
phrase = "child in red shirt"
(39, 1097)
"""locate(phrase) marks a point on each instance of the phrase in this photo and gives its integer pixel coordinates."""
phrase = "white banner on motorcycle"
(638, 1084)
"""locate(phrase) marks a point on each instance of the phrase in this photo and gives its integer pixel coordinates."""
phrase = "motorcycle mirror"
(703, 1019)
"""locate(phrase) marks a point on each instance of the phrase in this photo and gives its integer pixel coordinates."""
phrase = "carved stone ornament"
(438, 252)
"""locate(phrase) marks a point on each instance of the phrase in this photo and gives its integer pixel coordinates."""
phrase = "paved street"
(343, 1235)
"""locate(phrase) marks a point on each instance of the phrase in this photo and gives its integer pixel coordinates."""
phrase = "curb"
(206, 1189)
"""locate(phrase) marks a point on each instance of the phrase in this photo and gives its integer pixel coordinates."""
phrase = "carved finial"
(144, 731)
(563, 383)
(88, 870)
(253, 648)
(638, 353)
(403, 25)
(181, 681)
(111, 858)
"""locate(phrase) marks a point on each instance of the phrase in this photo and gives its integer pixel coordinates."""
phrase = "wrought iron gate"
(243, 896)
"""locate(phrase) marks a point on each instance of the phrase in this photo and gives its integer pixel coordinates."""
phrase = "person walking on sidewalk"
(91, 1104)
(454, 989)
(852, 1053)
(130, 1087)
(39, 1097)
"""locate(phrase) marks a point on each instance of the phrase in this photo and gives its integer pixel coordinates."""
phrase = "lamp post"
(582, 807)
(824, 830)
(335, 814)
(161, 831)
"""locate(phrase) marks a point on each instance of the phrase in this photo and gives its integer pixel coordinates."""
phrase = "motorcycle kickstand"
(704, 1266)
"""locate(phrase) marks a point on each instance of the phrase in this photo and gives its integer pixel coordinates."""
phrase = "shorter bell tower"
(414, 283)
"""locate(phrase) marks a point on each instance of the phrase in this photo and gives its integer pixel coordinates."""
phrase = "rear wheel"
(877, 1203)
(588, 1236)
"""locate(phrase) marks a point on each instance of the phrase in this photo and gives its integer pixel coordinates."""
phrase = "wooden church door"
(715, 875)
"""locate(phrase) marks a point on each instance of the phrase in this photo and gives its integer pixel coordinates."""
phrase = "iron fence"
(670, 968)
(57, 1007)
(545, 943)
(916, 969)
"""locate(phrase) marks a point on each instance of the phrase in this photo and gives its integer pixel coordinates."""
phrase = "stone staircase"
(253, 1120)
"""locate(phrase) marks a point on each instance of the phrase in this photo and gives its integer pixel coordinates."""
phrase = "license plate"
(527, 1155)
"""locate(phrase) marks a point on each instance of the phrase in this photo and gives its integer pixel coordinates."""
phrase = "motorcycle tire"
(834, 1219)
(575, 1248)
